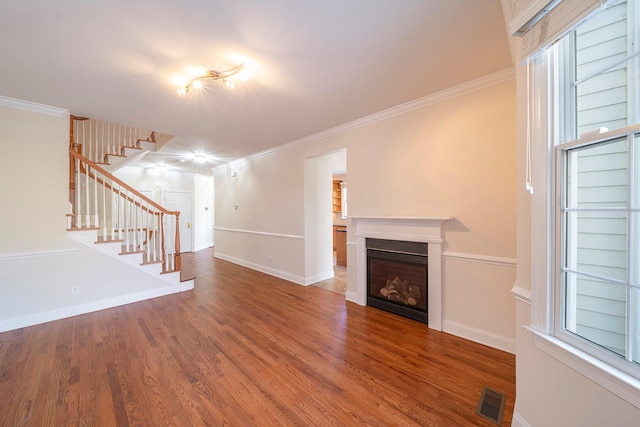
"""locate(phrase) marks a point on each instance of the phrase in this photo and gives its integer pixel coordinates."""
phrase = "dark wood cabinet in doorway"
(340, 244)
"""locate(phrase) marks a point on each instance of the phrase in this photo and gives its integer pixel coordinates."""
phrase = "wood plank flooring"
(243, 349)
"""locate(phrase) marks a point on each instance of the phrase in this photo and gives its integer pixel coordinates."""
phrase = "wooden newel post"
(178, 261)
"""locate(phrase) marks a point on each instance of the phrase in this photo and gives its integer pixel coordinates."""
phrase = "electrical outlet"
(75, 290)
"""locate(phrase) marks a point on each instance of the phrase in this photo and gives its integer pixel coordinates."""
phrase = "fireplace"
(426, 230)
(397, 277)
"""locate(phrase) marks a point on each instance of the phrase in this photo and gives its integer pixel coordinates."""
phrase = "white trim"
(261, 233)
(484, 259)
(614, 380)
(480, 336)
(20, 104)
(32, 254)
(62, 313)
(434, 98)
(404, 218)
(521, 294)
(529, 16)
(351, 297)
(319, 277)
(261, 268)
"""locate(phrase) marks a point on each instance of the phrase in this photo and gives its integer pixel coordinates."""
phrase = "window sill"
(614, 380)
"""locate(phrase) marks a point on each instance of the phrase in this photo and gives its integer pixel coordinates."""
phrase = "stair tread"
(108, 241)
(152, 262)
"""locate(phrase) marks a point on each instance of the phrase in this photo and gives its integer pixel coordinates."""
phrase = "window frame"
(544, 110)
(630, 133)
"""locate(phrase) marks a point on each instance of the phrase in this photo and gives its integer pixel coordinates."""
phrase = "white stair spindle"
(87, 147)
(136, 224)
(78, 191)
(87, 198)
(154, 237)
(104, 208)
(118, 214)
(125, 219)
(147, 235)
(96, 209)
(103, 142)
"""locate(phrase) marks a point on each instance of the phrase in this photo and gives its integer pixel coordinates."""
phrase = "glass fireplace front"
(397, 277)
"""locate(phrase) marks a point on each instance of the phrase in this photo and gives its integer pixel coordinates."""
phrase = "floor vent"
(491, 405)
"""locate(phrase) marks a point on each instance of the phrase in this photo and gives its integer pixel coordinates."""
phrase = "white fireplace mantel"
(409, 229)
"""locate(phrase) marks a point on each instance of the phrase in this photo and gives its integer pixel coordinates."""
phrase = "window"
(596, 197)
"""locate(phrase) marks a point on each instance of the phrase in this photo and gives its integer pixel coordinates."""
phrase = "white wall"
(38, 265)
(452, 155)
(157, 181)
(318, 219)
(203, 212)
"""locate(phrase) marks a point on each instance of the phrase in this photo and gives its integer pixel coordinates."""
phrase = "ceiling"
(314, 65)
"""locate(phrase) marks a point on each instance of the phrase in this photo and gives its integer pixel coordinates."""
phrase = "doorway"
(330, 180)
(181, 201)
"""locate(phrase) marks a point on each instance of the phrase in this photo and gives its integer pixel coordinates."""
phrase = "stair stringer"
(89, 238)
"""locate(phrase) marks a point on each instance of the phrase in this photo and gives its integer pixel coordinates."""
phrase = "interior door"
(181, 201)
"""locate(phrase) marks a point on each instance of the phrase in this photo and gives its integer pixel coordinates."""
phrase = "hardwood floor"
(244, 349)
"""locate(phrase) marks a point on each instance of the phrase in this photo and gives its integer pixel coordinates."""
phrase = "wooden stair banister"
(94, 176)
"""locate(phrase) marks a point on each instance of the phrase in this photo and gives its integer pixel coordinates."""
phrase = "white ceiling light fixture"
(228, 77)
(200, 158)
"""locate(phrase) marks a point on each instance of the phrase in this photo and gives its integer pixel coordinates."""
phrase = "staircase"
(110, 216)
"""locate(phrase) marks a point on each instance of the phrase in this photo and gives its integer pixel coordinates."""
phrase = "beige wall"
(454, 158)
(34, 171)
(450, 158)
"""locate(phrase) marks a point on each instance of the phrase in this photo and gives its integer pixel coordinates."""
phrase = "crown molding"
(435, 98)
(20, 104)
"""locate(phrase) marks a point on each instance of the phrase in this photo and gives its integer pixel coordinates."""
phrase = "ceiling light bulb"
(244, 75)
(183, 91)
(200, 158)
(197, 84)
(230, 83)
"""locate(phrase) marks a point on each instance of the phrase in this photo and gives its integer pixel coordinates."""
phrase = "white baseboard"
(319, 277)
(480, 336)
(35, 319)
(351, 297)
(258, 267)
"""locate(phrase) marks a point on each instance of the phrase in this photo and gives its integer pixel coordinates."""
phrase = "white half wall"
(37, 287)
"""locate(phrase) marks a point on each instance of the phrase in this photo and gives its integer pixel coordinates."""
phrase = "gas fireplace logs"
(401, 291)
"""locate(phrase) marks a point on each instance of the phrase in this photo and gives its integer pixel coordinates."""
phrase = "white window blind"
(556, 22)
